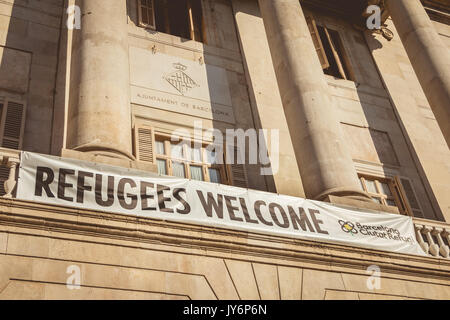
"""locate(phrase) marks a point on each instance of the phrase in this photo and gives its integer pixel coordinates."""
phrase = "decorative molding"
(376, 169)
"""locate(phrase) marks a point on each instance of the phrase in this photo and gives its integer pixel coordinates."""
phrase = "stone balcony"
(433, 237)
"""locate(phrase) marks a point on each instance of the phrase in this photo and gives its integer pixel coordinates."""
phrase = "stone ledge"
(364, 205)
(25, 217)
(91, 157)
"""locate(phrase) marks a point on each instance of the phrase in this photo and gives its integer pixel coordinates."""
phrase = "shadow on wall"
(15, 74)
(61, 91)
(28, 67)
(382, 144)
(28, 50)
(244, 103)
(265, 105)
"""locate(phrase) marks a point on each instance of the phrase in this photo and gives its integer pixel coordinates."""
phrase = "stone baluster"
(425, 247)
(443, 248)
(445, 235)
(10, 184)
(434, 248)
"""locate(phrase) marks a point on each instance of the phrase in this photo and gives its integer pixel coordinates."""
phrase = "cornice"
(439, 5)
(92, 226)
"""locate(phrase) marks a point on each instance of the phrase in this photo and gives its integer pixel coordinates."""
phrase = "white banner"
(94, 186)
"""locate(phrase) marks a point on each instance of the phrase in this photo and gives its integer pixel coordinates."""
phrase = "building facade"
(355, 117)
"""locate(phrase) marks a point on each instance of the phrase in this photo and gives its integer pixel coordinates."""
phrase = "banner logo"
(348, 227)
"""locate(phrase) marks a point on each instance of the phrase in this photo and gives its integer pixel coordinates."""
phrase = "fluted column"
(325, 165)
(428, 54)
(99, 118)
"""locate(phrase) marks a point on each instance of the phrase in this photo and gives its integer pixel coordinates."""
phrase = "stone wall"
(426, 144)
(29, 41)
(133, 258)
(377, 133)
(384, 115)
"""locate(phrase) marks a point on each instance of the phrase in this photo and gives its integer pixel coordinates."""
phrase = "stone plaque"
(180, 85)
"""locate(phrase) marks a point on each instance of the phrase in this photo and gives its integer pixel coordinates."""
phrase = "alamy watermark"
(374, 19)
(73, 17)
(374, 280)
(236, 146)
(74, 280)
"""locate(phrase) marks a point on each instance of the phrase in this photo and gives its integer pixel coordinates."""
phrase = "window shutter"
(317, 42)
(239, 175)
(195, 19)
(408, 197)
(12, 124)
(146, 13)
(143, 139)
(238, 172)
(335, 54)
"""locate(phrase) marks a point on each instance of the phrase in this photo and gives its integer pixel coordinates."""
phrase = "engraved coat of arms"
(180, 80)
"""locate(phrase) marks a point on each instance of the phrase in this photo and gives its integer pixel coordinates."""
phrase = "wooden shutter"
(146, 13)
(12, 124)
(317, 42)
(237, 171)
(408, 197)
(195, 20)
(335, 54)
(239, 175)
(144, 138)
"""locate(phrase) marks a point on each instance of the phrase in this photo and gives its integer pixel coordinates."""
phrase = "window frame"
(399, 195)
(139, 9)
(187, 160)
(194, 33)
(5, 102)
(343, 61)
(378, 181)
(144, 149)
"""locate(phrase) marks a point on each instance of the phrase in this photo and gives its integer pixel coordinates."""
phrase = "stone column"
(99, 119)
(428, 54)
(326, 166)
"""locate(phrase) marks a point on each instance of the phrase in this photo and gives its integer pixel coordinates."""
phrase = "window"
(187, 161)
(393, 192)
(12, 123)
(146, 13)
(380, 190)
(182, 18)
(331, 52)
